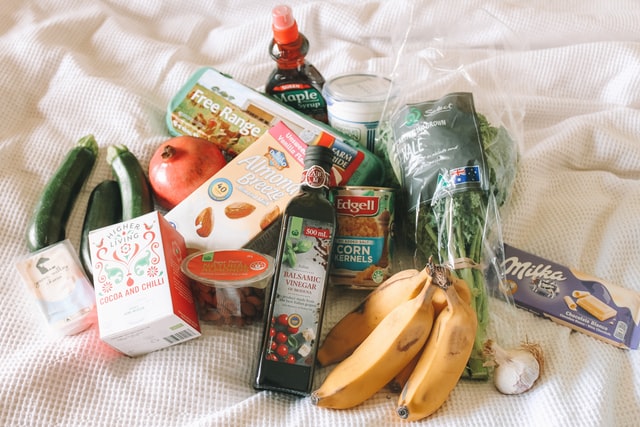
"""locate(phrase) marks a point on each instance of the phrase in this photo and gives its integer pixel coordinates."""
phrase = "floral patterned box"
(144, 301)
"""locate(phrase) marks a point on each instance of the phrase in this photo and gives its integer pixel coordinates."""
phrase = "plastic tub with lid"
(229, 285)
(355, 103)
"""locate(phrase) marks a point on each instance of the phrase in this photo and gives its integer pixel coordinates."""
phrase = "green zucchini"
(51, 214)
(135, 190)
(104, 208)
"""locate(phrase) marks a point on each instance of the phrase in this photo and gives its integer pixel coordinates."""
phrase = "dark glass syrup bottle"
(293, 318)
(294, 81)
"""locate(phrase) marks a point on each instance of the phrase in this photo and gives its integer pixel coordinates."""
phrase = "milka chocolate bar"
(596, 308)
(585, 303)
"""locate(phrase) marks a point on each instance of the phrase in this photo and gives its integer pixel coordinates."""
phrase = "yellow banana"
(439, 302)
(389, 347)
(397, 383)
(443, 359)
(356, 325)
(440, 297)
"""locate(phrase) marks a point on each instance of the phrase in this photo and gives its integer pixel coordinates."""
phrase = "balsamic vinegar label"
(293, 332)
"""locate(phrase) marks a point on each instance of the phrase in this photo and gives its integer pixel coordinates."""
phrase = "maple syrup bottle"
(294, 81)
(293, 318)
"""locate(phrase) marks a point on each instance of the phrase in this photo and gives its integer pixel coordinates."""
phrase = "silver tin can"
(363, 247)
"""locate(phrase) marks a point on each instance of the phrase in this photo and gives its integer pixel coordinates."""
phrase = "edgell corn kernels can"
(362, 248)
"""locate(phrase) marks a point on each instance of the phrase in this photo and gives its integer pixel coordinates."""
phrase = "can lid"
(229, 268)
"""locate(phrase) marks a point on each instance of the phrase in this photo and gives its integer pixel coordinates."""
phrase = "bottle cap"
(285, 28)
(318, 155)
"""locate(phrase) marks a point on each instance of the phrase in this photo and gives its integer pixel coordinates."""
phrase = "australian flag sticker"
(465, 175)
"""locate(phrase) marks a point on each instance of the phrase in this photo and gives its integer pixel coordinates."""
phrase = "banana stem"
(403, 412)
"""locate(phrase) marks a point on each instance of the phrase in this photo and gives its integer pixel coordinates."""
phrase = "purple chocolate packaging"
(574, 299)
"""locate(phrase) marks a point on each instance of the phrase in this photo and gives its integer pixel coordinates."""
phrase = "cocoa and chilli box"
(143, 298)
(574, 299)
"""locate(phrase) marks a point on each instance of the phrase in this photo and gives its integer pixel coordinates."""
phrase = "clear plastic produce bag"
(449, 135)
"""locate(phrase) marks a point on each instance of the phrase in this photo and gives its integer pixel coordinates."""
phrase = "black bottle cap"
(318, 155)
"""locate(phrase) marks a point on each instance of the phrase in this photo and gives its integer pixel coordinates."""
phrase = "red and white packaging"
(143, 299)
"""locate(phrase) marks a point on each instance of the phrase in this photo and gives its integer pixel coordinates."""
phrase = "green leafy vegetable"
(459, 227)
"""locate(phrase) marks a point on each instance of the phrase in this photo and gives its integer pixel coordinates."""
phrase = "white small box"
(59, 285)
(144, 301)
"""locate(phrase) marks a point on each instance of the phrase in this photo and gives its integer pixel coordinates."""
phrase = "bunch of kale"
(462, 229)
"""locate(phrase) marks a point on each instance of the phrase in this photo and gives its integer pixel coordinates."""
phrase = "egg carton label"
(232, 116)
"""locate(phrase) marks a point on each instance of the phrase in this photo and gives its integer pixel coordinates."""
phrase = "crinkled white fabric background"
(110, 67)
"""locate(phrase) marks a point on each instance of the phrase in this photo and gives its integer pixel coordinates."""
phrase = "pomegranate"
(180, 165)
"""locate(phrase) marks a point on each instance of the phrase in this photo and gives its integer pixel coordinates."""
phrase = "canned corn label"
(362, 247)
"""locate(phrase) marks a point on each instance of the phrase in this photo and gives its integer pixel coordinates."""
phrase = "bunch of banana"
(443, 359)
(356, 325)
(439, 303)
(418, 332)
(383, 353)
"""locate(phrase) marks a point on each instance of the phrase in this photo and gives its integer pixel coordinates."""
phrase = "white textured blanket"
(109, 67)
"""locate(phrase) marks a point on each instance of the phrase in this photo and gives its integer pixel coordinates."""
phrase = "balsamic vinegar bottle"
(293, 319)
(294, 81)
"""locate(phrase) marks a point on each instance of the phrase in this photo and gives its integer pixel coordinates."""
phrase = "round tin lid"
(358, 88)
